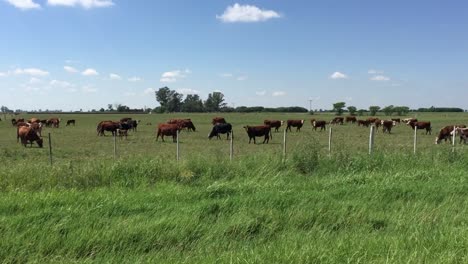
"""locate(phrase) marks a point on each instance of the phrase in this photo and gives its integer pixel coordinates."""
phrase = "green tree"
(361, 112)
(352, 110)
(401, 110)
(110, 108)
(170, 100)
(338, 107)
(388, 110)
(215, 102)
(373, 110)
(192, 103)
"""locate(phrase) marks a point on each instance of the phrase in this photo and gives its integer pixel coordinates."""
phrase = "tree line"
(389, 110)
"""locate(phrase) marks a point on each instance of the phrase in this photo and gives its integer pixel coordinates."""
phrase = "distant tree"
(352, 110)
(110, 108)
(388, 110)
(215, 102)
(102, 110)
(401, 110)
(373, 110)
(122, 108)
(338, 107)
(192, 103)
(170, 100)
(361, 112)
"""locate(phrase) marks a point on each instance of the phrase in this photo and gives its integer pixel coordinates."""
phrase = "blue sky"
(72, 54)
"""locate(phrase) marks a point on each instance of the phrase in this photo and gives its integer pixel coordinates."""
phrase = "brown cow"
(294, 123)
(409, 120)
(422, 125)
(351, 119)
(34, 120)
(258, 131)
(168, 130)
(397, 120)
(218, 119)
(20, 120)
(463, 132)
(445, 133)
(387, 125)
(372, 119)
(183, 123)
(274, 124)
(337, 120)
(319, 123)
(377, 124)
(29, 135)
(107, 126)
(364, 123)
(54, 122)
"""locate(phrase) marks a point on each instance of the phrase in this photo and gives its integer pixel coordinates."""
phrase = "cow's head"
(246, 128)
(314, 122)
(282, 122)
(394, 123)
(302, 121)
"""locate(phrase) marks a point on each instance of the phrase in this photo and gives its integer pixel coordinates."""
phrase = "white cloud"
(83, 3)
(90, 72)
(375, 71)
(338, 75)
(70, 69)
(173, 76)
(34, 80)
(134, 79)
(88, 89)
(32, 72)
(3, 74)
(24, 4)
(260, 93)
(114, 76)
(72, 90)
(380, 78)
(61, 83)
(246, 13)
(149, 91)
(241, 78)
(226, 75)
(186, 91)
(279, 93)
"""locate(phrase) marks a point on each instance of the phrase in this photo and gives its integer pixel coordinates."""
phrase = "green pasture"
(314, 207)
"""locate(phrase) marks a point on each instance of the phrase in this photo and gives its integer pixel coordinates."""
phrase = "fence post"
(177, 146)
(330, 140)
(231, 146)
(115, 145)
(453, 138)
(415, 138)
(284, 145)
(50, 150)
(371, 139)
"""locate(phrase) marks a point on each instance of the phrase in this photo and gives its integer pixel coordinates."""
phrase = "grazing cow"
(319, 123)
(33, 120)
(463, 132)
(445, 133)
(122, 133)
(337, 120)
(14, 122)
(107, 126)
(134, 125)
(20, 120)
(259, 131)
(37, 127)
(273, 123)
(125, 119)
(220, 129)
(44, 121)
(71, 122)
(372, 119)
(422, 125)
(377, 124)
(168, 130)
(183, 123)
(18, 125)
(387, 125)
(294, 123)
(364, 123)
(29, 135)
(54, 122)
(409, 120)
(351, 119)
(397, 120)
(218, 119)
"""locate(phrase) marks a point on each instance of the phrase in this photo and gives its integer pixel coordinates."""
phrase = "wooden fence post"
(50, 150)
(115, 145)
(371, 139)
(453, 138)
(177, 146)
(284, 145)
(231, 146)
(415, 139)
(330, 140)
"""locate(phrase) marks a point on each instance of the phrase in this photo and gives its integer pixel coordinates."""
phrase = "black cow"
(220, 129)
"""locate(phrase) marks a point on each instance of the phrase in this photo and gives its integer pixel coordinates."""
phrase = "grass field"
(390, 207)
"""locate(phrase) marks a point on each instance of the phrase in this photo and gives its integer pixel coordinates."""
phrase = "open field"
(391, 207)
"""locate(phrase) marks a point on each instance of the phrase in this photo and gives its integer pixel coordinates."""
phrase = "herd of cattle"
(29, 131)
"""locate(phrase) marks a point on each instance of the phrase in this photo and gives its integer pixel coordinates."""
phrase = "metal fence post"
(415, 139)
